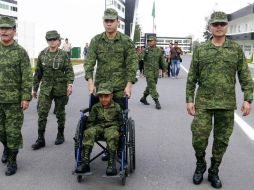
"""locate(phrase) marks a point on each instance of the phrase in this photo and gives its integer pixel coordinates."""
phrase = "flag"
(153, 11)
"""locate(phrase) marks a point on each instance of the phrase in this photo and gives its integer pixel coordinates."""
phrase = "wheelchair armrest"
(85, 110)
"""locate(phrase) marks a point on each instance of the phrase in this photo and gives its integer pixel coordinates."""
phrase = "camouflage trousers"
(44, 104)
(151, 86)
(221, 121)
(11, 121)
(111, 135)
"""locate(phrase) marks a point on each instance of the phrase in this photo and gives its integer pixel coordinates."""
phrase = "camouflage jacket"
(105, 117)
(54, 71)
(153, 59)
(214, 69)
(116, 59)
(15, 74)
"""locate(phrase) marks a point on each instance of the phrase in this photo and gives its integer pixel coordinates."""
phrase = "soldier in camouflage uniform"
(214, 67)
(116, 58)
(104, 120)
(15, 92)
(153, 58)
(55, 73)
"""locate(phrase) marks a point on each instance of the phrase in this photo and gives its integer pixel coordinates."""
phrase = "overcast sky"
(80, 20)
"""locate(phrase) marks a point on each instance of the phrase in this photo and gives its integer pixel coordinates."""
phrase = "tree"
(207, 33)
(137, 33)
(195, 44)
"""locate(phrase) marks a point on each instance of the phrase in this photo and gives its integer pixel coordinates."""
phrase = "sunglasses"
(216, 24)
(52, 39)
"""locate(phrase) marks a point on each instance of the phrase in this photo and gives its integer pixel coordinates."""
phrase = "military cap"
(105, 88)
(53, 34)
(218, 17)
(110, 14)
(7, 22)
(151, 38)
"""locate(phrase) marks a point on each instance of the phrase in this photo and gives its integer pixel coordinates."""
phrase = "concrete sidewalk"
(78, 69)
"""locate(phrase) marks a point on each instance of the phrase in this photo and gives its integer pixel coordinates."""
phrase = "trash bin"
(75, 52)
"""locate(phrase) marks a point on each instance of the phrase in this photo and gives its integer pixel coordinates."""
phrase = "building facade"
(241, 29)
(184, 42)
(9, 8)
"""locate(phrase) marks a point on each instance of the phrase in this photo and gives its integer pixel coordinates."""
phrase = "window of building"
(14, 9)
(4, 6)
(169, 41)
(239, 29)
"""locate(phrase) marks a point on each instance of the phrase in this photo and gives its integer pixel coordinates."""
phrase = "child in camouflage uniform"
(104, 120)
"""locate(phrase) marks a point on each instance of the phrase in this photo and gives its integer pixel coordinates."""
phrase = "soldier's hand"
(91, 87)
(24, 104)
(191, 108)
(127, 90)
(246, 107)
(34, 94)
(69, 90)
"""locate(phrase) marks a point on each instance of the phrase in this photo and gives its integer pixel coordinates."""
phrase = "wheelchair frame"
(127, 158)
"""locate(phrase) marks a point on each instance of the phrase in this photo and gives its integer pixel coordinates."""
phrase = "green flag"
(153, 11)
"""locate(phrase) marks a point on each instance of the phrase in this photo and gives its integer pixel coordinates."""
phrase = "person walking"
(15, 92)
(153, 59)
(175, 55)
(85, 51)
(214, 67)
(55, 73)
(67, 47)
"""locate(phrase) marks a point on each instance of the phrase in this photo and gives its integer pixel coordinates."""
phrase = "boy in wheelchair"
(104, 120)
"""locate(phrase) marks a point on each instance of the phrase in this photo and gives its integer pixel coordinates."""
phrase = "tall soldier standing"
(214, 67)
(153, 58)
(114, 53)
(15, 92)
(55, 73)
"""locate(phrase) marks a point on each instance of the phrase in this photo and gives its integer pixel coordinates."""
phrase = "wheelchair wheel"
(131, 145)
(76, 140)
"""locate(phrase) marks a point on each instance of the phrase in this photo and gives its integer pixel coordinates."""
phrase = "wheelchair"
(126, 150)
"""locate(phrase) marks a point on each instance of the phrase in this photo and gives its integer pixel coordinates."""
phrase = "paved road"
(165, 158)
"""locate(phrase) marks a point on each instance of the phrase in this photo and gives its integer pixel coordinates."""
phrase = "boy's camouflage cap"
(7, 22)
(53, 34)
(218, 17)
(105, 88)
(110, 14)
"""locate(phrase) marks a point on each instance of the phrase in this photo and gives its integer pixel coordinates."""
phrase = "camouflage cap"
(218, 17)
(52, 34)
(110, 14)
(105, 88)
(151, 38)
(7, 22)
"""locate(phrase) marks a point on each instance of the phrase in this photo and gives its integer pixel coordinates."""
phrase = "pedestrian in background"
(175, 55)
(153, 59)
(67, 47)
(214, 67)
(141, 62)
(15, 92)
(85, 51)
(55, 73)
(168, 59)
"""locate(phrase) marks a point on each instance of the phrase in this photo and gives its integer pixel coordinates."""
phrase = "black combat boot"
(84, 167)
(157, 104)
(60, 136)
(40, 142)
(111, 169)
(5, 154)
(200, 170)
(213, 174)
(144, 101)
(12, 163)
